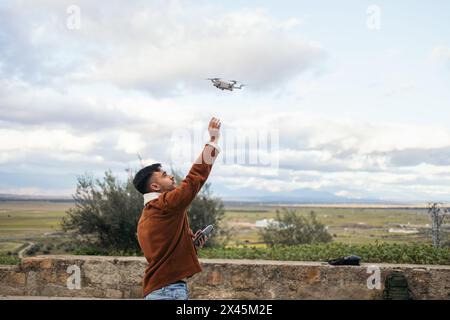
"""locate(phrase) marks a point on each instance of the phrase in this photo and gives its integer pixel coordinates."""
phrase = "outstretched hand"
(214, 129)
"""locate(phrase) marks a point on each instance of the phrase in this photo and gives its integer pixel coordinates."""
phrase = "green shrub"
(295, 229)
(377, 252)
(415, 253)
(96, 251)
(9, 260)
(33, 250)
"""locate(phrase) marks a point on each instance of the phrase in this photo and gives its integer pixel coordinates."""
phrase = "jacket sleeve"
(181, 197)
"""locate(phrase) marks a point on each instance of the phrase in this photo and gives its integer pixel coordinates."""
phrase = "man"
(163, 229)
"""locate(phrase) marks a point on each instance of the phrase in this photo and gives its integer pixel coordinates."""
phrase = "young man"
(163, 229)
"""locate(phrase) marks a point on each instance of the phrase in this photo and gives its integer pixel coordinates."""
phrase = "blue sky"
(360, 113)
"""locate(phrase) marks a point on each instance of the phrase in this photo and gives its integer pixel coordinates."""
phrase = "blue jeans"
(174, 291)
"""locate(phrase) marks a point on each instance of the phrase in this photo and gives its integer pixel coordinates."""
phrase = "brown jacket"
(163, 229)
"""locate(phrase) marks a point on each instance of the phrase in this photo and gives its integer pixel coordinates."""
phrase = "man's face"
(161, 181)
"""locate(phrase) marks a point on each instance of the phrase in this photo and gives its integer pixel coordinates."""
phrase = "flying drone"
(225, 84)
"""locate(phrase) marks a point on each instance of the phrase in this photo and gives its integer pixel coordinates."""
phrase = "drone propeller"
(212, 79)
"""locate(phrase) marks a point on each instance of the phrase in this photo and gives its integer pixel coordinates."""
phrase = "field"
(355, 225)
(25, 222)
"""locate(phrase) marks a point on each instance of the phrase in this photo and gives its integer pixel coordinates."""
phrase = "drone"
(225, 84)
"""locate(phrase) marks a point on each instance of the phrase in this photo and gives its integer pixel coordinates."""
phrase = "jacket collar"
(150, 196)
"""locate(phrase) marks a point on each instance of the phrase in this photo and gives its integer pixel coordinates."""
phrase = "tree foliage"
(292, 229)
(106, 212)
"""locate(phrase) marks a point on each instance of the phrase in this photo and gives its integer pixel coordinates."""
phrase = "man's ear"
(154, 187)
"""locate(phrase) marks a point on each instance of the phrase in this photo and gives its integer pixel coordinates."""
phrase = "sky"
(349, 99)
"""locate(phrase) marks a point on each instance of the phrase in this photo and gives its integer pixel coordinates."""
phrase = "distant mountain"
(298, 196)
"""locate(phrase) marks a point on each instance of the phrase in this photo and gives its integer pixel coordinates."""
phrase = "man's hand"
(214, 129)
(202, 240)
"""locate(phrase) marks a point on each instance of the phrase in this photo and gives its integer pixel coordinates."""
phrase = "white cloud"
(440, 54)
(363, 137)
(160, 47)
(235, 45)
(350, 158)
(44, 140)
(77, 100)
(130, 142)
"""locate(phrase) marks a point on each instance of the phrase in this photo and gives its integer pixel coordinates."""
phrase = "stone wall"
(120, 278)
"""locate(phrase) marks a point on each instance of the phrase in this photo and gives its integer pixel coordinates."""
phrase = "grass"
(348, 225)
(22, 221)
(30, 218)
(341, 217)
(10, 246)
(9, 260)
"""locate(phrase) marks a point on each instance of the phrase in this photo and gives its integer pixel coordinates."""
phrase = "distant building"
(264, 223)
(405, 231)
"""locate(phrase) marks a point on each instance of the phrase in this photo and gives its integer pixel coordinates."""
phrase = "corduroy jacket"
(163, 228)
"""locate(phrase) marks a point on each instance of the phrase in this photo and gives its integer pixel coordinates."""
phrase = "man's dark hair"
(140, 180)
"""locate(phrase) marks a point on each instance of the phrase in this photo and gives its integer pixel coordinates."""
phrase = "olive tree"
(292, 228)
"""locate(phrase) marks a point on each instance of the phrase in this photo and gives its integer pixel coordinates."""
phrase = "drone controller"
(204, 233)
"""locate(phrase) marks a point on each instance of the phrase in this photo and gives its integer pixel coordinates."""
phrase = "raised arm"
(182, 196)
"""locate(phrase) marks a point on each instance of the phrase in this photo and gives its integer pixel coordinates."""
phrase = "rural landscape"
(33, 227)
